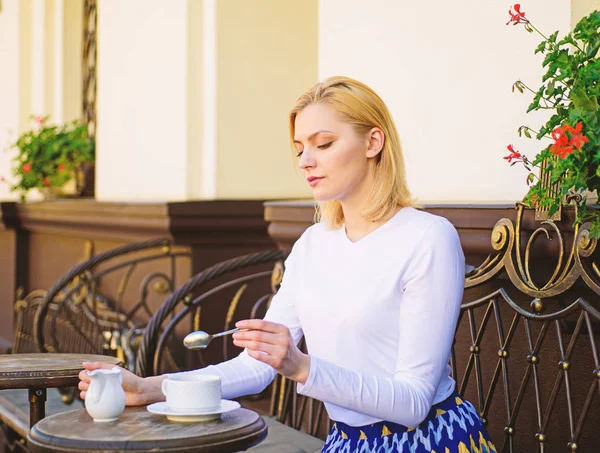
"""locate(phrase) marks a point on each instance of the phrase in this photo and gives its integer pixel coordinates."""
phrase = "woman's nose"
(306, 160)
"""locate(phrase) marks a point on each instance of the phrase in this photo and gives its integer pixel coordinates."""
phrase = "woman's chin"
(322, 196)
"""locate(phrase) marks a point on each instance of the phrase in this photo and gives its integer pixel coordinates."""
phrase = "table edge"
(42, 443)
(48, 379)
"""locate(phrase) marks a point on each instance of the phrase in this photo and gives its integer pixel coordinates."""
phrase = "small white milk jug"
(105, 398)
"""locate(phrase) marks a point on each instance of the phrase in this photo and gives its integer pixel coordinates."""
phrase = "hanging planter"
(569, 158)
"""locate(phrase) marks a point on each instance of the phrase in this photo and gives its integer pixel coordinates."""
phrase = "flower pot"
(81, 184)
(51, 193)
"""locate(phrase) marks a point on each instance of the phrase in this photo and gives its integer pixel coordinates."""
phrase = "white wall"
(445, 69)
(141, 100)
(9, 83)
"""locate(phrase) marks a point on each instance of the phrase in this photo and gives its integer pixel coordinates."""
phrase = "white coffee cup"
(200, 392)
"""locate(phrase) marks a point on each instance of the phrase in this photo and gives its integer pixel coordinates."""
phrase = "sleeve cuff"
(304, 389)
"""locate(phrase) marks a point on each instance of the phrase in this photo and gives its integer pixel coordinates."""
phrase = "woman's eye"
(299, 154)
(325, 146)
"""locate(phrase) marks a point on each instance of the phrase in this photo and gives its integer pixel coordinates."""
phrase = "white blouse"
(378, 315)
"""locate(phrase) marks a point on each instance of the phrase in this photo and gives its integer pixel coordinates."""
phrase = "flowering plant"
(49, 156)
(570, 89)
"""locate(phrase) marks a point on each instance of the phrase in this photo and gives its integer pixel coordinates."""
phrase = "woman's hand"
(138, 391)
(273, 344)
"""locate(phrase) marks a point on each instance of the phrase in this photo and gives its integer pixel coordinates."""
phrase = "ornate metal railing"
(543, 374)
(94, 308)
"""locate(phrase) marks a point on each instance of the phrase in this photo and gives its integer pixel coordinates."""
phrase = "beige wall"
(266, 58)
(195, 100)
(446, 69)
(72, 51)
(581, 8)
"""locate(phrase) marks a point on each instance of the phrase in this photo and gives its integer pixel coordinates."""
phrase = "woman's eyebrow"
(314, 134)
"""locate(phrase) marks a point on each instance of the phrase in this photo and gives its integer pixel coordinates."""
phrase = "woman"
(375, 287)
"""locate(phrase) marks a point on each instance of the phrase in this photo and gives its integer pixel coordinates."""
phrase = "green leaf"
(535, 104)
(582, 101)
(593, 46)
(540, 48)
(530, 178)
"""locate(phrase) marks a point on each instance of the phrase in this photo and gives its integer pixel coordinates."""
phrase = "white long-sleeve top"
(378, 315)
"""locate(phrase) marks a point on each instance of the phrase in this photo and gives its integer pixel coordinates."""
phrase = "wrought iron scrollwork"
(80, 314)
(562, 312)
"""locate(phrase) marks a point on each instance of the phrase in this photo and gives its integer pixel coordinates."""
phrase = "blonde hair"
(360, 106)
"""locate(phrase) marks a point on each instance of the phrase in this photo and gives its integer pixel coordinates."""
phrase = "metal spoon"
(200, 339)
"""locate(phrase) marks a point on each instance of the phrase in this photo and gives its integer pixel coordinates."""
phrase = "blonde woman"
(375, 287)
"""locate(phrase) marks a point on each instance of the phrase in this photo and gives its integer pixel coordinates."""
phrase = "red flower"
(517, 16)
(561, 141)
(61, 167)
(577, 139)
(26, 168)
(534, 199)
(513, 154)
(46, 182)
(564, 152)
(563, 146)
(39, 119)
(2, 179)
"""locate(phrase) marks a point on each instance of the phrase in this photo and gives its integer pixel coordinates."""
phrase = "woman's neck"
(353, 206)
(357, 226)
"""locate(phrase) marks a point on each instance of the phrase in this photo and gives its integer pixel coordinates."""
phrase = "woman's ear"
(376, 139)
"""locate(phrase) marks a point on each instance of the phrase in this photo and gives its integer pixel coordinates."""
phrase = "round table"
(138, 430)
(37, 372)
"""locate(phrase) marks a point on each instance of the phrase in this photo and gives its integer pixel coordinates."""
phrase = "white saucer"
(193, 415)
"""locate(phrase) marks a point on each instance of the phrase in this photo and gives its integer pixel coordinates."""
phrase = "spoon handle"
(227, 332)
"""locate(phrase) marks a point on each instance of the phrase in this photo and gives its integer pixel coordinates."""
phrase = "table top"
(45, 370)
(138, 430)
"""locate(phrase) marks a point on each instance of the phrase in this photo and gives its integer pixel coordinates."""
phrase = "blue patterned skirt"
(452, 426)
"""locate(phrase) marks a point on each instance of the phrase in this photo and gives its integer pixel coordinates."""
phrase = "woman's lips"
(313, 181)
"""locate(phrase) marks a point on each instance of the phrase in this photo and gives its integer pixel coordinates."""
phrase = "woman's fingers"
(254, 345)
(90, 366)
(257, 335)
(83, 376)
(273, 360)
(261, 324)
(84, 379)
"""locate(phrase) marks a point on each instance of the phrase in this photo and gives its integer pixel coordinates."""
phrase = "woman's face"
(336, 160)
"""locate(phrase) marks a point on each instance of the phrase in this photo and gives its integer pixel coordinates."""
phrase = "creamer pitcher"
(105, 398)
